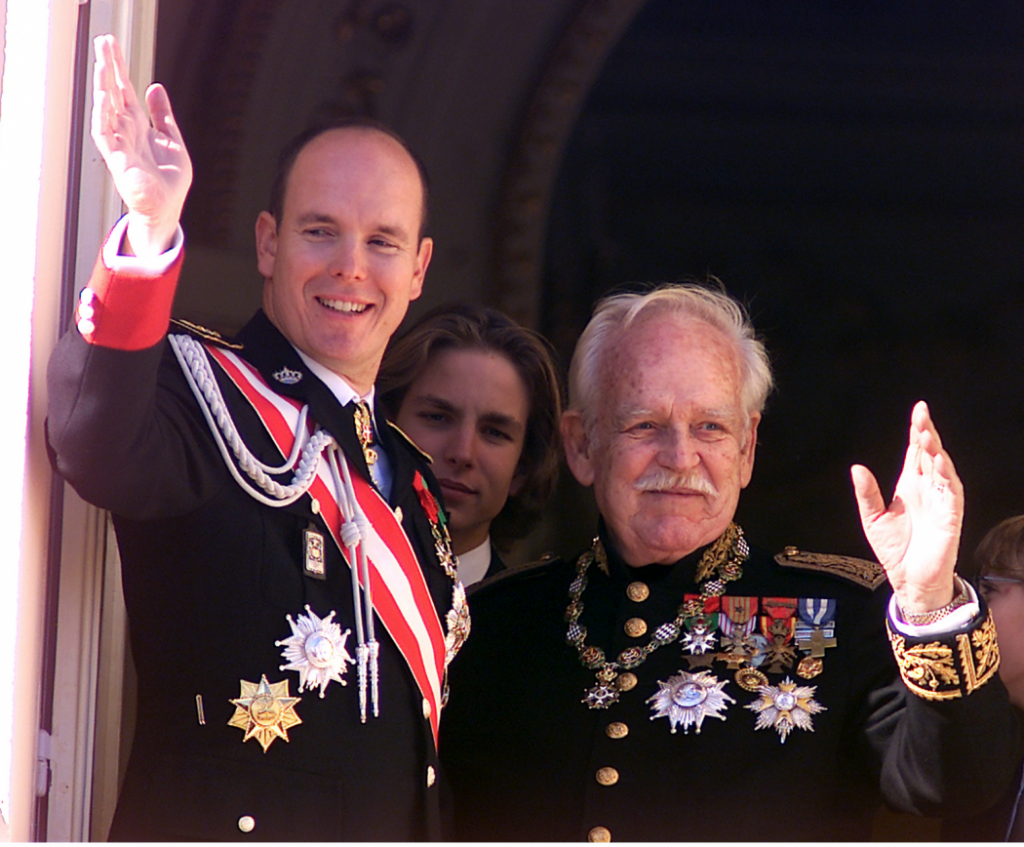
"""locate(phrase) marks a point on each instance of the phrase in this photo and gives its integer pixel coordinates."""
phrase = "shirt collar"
(337, 384)
(473, 564)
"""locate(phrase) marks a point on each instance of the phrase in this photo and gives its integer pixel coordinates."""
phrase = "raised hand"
(917, 536)
(147, 160)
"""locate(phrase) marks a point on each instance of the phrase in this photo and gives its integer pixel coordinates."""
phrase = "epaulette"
(861, 571)
(513, 572)
(204, 334)
(410, 442)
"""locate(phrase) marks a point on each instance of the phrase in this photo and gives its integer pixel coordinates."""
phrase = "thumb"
(869, 496)
(160, 112)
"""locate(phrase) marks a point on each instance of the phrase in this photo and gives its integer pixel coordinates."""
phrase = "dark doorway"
(853, 173)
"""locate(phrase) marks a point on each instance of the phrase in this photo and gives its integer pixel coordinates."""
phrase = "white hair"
(614, 315)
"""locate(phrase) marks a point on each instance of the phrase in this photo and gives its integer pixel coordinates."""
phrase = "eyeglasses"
(989, 584)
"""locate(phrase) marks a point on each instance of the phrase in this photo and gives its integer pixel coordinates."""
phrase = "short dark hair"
(290, 152)
(469, 327)
(1001, 551)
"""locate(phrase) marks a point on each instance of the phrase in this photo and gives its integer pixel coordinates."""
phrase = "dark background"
(852, 172)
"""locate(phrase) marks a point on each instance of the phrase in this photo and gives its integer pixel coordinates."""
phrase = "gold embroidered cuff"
(950, 666)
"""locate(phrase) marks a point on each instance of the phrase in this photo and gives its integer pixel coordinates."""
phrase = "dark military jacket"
(209, 577)
(530, 760)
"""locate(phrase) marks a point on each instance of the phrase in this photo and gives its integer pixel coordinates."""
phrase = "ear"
(747, 454)
(577, 447)
(266, 244)
(423, 254)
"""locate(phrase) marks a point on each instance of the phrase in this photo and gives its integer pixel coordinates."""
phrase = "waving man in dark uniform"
(676, 683)
(289, 581)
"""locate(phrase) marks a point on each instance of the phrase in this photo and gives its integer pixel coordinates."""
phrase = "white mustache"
(662, 480)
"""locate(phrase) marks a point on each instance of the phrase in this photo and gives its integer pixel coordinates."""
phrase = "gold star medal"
(265, 711)
(786, 706)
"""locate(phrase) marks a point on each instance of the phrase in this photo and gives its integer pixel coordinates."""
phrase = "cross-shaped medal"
(816, 642)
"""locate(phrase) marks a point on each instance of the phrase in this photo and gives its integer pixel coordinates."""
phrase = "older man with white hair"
(677, 683)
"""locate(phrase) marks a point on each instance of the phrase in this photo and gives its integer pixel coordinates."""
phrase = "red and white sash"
(400, 595)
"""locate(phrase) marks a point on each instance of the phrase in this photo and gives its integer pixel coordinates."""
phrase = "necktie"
(376, 461)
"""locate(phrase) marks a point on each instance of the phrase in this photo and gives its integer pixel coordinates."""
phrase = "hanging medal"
(778, 625)
(815, 632)
(700, 636)
(740, 646)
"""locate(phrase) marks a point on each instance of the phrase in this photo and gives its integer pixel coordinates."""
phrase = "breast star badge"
(785, 706)
(265, 711)
(688, 698)
(316, 649)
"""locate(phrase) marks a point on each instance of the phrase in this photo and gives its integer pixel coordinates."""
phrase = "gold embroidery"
(981, 663)
(861, 571)
(205, 334)
(927, 669)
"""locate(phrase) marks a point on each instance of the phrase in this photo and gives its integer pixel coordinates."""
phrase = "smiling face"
(469, 410)
(342, 264)
(670, 448)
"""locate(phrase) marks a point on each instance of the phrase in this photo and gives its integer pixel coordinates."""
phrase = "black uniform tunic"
(528, 760)
(209, 576)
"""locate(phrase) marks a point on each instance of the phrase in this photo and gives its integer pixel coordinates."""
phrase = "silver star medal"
(316, 649)
(688, 698)
(785, 706)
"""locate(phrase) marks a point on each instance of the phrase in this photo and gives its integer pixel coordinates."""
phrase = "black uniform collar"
(273, 356)
(675, 578)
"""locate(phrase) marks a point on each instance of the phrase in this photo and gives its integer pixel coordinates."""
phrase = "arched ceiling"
(484, 90)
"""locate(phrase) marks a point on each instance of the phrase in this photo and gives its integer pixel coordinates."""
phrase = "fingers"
(115, 104)
(934, 460)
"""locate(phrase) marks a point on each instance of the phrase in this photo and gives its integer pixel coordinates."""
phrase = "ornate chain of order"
(722, 560)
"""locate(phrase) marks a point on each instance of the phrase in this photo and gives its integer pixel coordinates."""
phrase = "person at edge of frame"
(999, 563)
(291, 591)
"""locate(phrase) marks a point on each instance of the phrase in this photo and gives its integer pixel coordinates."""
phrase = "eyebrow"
(392, 230)
(631, 413)
(497, 418)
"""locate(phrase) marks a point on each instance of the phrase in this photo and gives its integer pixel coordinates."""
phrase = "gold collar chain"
(722, 560)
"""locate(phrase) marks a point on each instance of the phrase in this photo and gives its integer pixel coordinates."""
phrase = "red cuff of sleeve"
(126, 311)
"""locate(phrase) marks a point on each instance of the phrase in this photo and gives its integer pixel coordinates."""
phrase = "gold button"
(431, 776)
(599, 834)
(792, 551)
(426, 708)
(607, 776)
(616, 729)
(635, 627)
(246, 823)
(626, 681)
(398, 513)
(638, 592)
(315, 506)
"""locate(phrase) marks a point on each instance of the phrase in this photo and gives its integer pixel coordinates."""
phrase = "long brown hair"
(469, 327)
